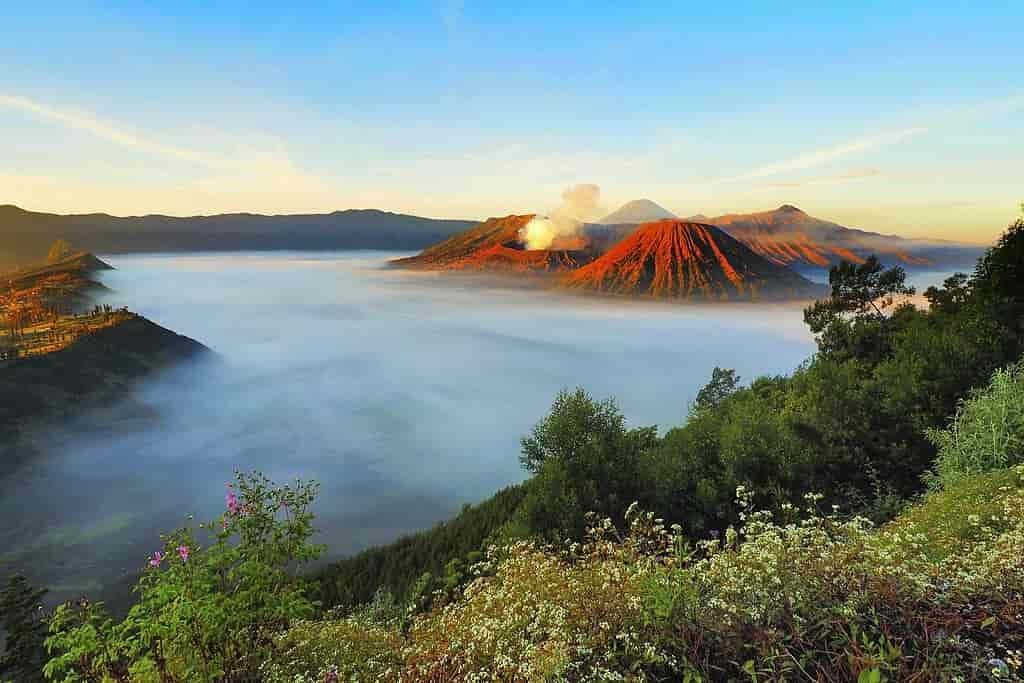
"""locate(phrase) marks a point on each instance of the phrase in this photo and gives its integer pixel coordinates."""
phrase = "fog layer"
(404, 394)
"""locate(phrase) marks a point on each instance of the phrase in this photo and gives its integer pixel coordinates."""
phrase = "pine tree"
(21, 616)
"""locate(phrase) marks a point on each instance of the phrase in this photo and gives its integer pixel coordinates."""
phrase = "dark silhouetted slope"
(25, 236)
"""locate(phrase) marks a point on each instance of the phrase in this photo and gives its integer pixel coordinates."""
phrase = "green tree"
(21, 615)
(998, 283)
(723, 384)
(855, 320)
(584, 460)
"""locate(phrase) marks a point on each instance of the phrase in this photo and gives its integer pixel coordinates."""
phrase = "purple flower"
(183, 551)
(157, 558)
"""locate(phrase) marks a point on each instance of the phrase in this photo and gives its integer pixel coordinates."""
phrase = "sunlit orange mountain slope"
(675, 259)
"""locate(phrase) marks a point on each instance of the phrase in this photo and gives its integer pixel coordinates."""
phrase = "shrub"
(827, 598)
(348, 649)
(797, 596)
(209, 603)
(967, 512)
(542, 613)
(987, 432)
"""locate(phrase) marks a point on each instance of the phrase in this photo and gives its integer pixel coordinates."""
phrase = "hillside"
(673, 259)
(24, 235)
(97, 368)
(495, 246)
(62, 286)
(787, 236)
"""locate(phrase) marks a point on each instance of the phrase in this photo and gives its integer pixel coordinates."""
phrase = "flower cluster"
(793, 595)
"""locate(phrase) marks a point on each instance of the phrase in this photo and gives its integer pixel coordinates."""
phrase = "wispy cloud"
(825, 155)
(108, 130)
(855, 174)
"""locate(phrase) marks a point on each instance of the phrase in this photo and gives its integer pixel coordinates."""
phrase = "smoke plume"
(579, 203)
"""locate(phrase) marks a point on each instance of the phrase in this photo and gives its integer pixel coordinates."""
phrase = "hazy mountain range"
(786, 236)
(25, 236)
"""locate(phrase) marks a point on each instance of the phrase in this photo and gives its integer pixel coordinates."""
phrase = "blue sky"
(908, 118)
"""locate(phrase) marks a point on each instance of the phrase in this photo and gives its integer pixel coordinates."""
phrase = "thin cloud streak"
(107, 130)
(824, 156)
(828, 180)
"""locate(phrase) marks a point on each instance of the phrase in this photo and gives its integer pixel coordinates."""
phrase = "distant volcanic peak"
(492, 232)
(497, 245)
(638, 211)
(680, 259)
(788, 236)
(502, 258)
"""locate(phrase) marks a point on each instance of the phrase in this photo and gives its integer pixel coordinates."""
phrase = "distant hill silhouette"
(636, 212)
(26, 236)
(674, 259)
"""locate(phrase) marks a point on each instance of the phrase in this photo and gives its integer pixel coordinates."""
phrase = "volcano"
(496, 246)
(789, 237)
(675, 259)
(636, 212)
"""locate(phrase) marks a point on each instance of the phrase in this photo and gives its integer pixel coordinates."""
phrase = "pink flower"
(231, 500)
(157, 558)
(183, 551)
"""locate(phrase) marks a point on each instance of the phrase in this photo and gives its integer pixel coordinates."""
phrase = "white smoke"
(579, 203)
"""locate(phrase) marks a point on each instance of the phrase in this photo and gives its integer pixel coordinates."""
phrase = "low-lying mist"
(404, 394)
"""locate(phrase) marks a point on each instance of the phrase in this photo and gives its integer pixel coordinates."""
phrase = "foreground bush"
(811, 596)
(987, 432)
(209, 603)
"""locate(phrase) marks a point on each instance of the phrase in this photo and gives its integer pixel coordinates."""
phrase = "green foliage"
(1001, 271)
(399, 567)
(971, 510)
(350, 649)
(21, 617)
(584, 460)
(799, 595)
(722, 385)
(987, 432)
(211, 601)
(854, 320)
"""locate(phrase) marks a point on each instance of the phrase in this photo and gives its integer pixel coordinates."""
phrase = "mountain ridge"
(789, 236)
(25, 236)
